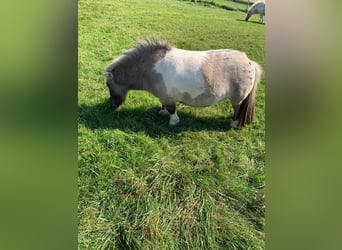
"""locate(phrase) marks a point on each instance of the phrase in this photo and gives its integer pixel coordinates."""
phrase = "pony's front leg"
(174, 119)
(163, 110)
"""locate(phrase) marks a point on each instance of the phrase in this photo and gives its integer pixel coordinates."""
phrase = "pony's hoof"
(234, 124)
(173, 122)
(163, 112)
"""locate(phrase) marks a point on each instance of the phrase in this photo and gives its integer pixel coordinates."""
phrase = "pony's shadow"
(250, 21)
(102, 116)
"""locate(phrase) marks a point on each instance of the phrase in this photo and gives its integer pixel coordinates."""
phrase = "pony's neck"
(135, 74)
(138, 79)
(131, 76)
(136, 85)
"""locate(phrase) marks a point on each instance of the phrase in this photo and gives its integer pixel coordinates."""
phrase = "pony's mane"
(141, 51)
(150, 45)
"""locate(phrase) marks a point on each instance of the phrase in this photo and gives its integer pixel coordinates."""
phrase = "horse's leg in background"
(171, 108)
(163, 110)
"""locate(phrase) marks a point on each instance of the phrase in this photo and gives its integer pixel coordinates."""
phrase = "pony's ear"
(109, 75)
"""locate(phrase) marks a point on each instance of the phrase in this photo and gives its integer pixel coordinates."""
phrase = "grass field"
(143, 184)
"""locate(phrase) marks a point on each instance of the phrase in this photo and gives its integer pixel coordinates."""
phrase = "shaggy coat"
(195, 78)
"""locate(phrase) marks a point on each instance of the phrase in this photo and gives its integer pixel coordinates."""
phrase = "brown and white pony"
(195, 78)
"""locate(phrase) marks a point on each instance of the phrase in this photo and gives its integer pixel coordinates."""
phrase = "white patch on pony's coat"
(182, 73)
(174, 119)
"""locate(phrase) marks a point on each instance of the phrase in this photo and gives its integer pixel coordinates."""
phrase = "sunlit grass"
(143, 184)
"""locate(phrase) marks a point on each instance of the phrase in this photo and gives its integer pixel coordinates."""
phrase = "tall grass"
(143, 184)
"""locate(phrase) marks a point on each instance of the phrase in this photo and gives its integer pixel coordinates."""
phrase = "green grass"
(143, 184)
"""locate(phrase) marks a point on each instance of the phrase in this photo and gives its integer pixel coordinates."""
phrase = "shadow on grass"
(250, 21)
(102, 116)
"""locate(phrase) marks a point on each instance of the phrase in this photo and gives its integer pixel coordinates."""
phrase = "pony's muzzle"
(247, 17)
(114, 104)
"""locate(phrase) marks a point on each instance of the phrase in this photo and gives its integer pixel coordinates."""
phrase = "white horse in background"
(257, 8)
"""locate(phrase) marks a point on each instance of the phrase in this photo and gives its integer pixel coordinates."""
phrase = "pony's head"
(117, 91)
(249, 14)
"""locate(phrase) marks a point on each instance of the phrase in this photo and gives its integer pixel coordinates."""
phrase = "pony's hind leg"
(171, 108)
(163, 110)
(261, 19)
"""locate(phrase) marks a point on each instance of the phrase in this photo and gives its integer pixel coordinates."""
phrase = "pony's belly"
(203, 99)
(199, 103)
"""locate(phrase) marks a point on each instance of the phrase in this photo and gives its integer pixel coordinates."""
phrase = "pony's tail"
(246, 111)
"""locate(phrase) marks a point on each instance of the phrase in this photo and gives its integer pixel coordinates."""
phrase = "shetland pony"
(195, 78)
